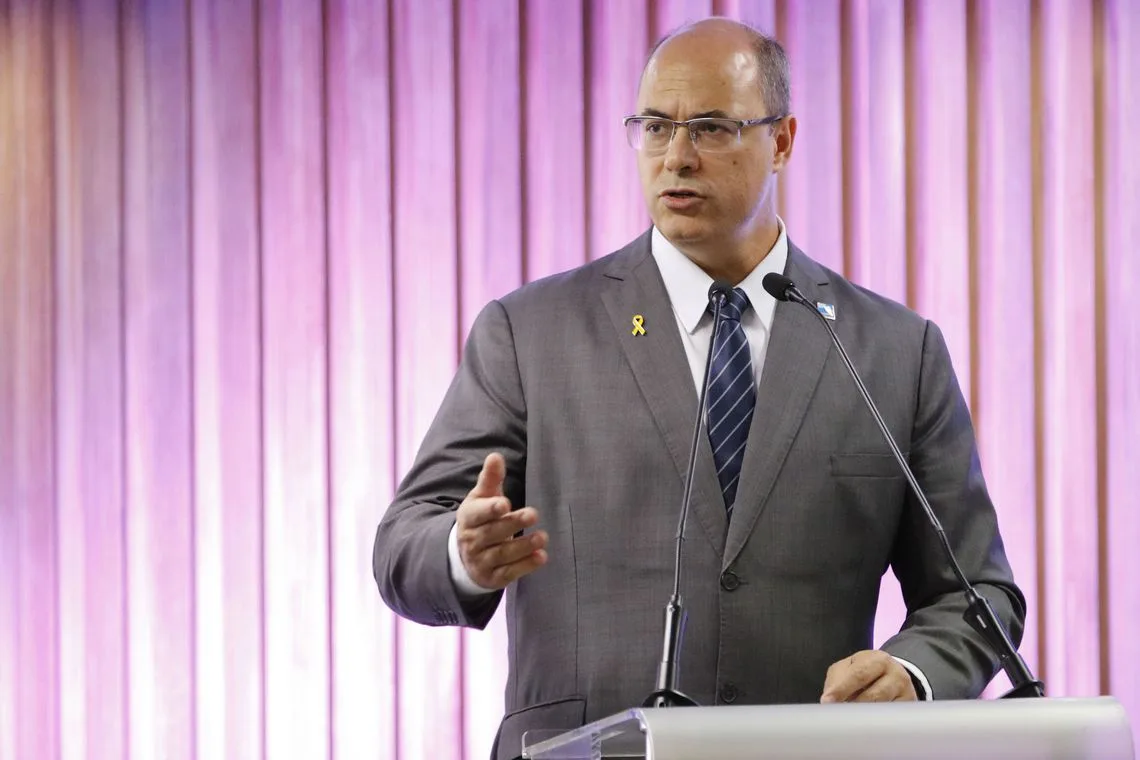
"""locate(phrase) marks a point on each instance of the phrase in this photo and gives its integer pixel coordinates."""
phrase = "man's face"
(696, 197)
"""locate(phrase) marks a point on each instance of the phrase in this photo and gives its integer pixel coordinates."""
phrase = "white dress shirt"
(687, 286)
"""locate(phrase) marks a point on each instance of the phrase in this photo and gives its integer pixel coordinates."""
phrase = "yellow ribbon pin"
(638, 324)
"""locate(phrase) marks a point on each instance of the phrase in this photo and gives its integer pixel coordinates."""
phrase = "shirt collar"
(688, 285)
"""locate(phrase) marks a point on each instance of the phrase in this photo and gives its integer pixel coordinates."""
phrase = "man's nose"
(681, 154)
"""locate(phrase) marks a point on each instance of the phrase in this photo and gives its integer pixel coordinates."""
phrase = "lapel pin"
(826, 309)
(638, 324)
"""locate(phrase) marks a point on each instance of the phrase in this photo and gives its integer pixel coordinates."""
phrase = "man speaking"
(553, 471)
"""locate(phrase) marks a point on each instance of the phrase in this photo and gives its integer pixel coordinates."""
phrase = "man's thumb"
(491, 477)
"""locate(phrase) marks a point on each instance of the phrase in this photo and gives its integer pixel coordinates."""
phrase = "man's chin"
(682, 229)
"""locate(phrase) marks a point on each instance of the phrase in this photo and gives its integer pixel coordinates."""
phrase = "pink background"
(242, 240)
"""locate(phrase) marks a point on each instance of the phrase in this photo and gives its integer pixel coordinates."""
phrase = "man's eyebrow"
(714, 114)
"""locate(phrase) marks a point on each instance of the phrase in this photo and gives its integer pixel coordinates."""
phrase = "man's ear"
(784, 140)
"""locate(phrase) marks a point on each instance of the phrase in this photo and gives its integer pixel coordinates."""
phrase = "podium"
(1017, 729)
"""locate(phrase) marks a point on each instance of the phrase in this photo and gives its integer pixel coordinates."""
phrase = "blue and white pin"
(826, 309)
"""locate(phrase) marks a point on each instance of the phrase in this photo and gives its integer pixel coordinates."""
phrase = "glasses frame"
(741, 124)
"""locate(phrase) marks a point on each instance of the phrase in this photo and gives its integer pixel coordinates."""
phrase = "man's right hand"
(485, 529)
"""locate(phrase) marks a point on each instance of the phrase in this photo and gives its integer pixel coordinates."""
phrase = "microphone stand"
(666, 693)
(979, 612)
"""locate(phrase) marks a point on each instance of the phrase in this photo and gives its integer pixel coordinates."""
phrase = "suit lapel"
(797, 351)
(662, 372)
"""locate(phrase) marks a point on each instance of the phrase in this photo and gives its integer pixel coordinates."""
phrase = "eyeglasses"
(652, 134)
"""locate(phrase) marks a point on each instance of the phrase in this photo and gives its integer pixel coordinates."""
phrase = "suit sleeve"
(944, 457)
(483, 411)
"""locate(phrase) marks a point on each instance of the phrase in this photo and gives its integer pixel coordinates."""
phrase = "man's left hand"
(868, 676)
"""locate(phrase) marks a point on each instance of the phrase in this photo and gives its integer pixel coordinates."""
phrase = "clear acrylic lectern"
(1017, 729)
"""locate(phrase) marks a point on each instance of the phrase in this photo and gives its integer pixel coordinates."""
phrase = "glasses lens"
(711, 135)
(649, 135)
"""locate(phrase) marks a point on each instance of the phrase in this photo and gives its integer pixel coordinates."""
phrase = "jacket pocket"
(558, 714)
(865, 466)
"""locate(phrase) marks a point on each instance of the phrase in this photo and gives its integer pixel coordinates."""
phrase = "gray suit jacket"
(595, 425)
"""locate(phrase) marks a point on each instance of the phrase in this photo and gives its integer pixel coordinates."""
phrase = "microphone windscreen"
(720, 288)
(778, 285)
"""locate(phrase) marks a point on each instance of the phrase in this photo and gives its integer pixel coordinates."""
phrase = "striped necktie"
(731, 395)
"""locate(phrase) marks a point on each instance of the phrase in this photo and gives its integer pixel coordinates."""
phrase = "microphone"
(979, 612)
(666, 693)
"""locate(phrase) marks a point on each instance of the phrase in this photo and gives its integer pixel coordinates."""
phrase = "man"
(577, 395)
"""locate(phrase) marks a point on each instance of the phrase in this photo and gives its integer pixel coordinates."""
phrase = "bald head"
(741, 46)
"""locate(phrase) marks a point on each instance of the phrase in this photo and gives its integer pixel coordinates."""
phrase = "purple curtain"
(241, 242)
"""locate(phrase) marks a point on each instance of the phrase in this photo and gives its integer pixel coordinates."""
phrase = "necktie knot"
(734, 305)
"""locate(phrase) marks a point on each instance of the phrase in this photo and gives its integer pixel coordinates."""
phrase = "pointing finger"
(491, 477)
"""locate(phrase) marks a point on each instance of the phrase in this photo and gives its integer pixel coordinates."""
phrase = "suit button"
(728, 693)
(729, 581)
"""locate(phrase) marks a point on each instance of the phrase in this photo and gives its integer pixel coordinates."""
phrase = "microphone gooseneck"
(666, 693)
(979, 612)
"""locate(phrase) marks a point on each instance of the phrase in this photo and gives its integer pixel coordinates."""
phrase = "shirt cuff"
(922, 686)
(465, 588)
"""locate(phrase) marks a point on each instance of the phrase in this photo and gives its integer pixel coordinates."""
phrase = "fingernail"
(826, 698)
